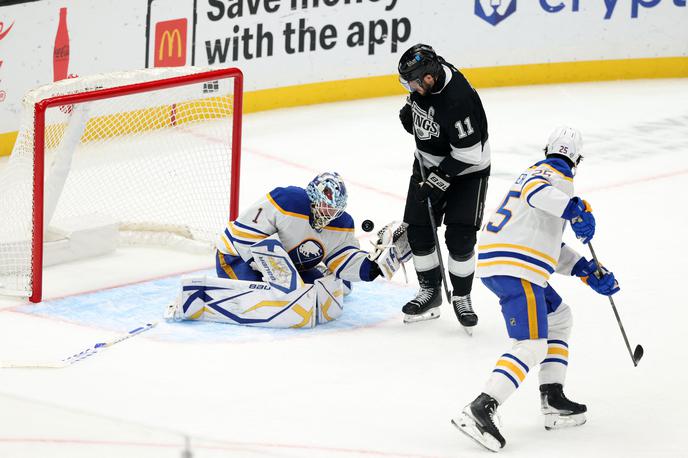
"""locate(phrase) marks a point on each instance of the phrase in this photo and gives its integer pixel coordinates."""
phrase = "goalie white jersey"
(286, 212)
(523, 238)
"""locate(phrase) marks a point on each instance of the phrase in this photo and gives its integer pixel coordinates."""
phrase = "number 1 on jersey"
(504, 212)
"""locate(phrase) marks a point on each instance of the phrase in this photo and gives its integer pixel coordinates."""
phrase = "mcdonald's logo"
(170, 43)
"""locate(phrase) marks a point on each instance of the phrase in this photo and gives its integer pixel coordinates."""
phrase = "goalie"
(287, 260)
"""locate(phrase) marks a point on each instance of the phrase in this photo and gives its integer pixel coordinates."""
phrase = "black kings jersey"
(450, 126)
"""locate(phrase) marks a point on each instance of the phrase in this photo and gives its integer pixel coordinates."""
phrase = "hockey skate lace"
(463, 305)
(423, 296)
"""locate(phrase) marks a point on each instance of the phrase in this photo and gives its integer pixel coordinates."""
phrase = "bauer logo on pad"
(494, 11)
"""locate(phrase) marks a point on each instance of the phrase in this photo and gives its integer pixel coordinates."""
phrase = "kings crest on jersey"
(451, 122)
(286, 212)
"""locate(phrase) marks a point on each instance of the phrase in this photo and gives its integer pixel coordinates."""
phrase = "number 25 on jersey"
(504, 211)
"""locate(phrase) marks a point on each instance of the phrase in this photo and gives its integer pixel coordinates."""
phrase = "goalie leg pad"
(330, 293)
(246, 303)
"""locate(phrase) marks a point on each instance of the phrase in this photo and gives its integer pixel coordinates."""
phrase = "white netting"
(157, 162)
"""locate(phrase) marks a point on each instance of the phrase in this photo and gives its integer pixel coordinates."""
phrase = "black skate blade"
(471, 430)
(431, 314)
(637, 354)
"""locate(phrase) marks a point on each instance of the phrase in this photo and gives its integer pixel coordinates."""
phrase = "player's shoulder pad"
(291, 199)
(559, 165)
(343, 221)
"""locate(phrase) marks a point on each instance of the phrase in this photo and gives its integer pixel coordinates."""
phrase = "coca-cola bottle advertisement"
(61, 51)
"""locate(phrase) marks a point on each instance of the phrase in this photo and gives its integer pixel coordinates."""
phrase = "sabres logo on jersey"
(424, 124)
(307, 254)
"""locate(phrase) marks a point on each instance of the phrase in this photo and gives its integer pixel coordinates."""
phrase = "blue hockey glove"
(583, 267)
(434, 186)
(579, 213)
(602, 282)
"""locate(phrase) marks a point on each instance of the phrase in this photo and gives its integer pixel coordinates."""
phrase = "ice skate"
(477, 422)
(426, 305)
(559, 411)
(464, 312)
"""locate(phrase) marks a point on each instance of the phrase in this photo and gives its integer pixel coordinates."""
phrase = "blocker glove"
(434, 186)
(579, 214)
(601, 280)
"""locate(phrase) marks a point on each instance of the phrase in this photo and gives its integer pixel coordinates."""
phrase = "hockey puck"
(367, 225)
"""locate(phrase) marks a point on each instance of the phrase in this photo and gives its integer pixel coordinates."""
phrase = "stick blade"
(637, 354)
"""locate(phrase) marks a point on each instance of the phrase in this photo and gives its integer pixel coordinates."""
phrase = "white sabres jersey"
(286, 212)
(523, 238)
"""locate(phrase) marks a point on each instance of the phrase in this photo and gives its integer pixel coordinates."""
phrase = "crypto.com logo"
(499, 10)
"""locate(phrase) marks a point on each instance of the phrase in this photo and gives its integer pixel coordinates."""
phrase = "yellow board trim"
(519, 247)
(513, 367)
(483, 77)
(532, 309)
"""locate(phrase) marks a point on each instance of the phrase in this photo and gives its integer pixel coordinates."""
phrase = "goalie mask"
(327, 194)
(567, 143)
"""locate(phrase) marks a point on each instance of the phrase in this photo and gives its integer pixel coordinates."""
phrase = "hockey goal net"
(153, 152)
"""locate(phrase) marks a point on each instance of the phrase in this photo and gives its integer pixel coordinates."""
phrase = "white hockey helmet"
(328, 195)
(566, 142)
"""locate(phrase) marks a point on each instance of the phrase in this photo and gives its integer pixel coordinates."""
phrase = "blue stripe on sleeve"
(338, 252)
(535, 191)
(249, 228)
(556, 360)
(235, 240)
(560, 342)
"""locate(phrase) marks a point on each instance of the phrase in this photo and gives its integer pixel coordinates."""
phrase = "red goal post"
(130, 146)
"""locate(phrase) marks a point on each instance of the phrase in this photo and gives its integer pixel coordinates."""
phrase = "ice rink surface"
(370, 386)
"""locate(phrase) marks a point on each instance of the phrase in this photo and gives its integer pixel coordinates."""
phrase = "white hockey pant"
(551, 353)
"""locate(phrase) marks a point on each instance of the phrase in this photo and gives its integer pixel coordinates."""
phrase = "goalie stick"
(638, 352)
(90, 351)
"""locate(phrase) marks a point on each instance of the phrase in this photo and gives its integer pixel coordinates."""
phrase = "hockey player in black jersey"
(446, 117)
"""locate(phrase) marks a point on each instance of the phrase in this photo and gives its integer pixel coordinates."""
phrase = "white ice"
(385, 389)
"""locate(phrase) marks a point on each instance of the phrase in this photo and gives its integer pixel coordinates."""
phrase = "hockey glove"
(434, 186)
(602, 282)
(406, 117)
(579, 213)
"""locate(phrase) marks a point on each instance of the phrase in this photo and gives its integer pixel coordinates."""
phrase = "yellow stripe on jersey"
(340, 229)
(513, 367)
(229, 247)
(519, 247)
(545, 274)
(334, 264)
(531, 185)
(556, 171)
(244, 234)
(228, 270)
(283, 211)
(532, 308)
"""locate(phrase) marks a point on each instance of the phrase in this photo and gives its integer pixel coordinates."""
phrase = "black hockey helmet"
(418, 61)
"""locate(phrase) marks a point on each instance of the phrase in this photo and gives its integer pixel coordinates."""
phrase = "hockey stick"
(431, 214)
(76, 356)
(638, 352)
